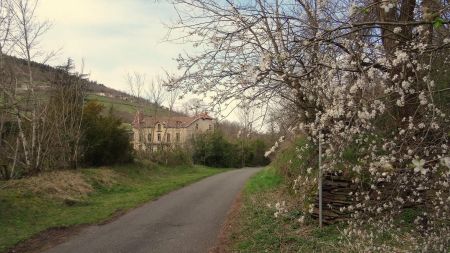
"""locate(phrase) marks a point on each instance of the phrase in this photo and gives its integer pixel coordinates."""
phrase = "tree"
(194, 106)
(246, 117)
(26, 112)
(65, 113)
(354, 73)
(136, 84)
(104, 141)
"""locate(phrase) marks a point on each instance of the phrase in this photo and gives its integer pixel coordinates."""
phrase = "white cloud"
(112, 36)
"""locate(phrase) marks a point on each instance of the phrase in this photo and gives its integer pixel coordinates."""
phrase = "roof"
(170, 122)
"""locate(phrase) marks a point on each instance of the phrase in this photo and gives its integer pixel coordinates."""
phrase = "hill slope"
(123, 104)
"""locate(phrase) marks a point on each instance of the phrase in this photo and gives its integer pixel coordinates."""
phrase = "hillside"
(123, 104)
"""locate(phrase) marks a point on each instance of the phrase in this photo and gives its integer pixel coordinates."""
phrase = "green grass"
(124, 106)
(263, 181)
(25, 213)
(258, 230)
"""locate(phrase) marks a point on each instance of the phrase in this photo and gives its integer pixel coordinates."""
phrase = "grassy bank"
(256, 228)
(68, 198)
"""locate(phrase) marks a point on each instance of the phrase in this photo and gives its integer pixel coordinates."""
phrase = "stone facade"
(150, 133)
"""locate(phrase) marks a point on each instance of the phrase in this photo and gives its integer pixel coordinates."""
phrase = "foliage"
(255, 153)
(369, 80)
(104, 140)
(28, 208)
(258, 230)
(213, 149)
(175, 156)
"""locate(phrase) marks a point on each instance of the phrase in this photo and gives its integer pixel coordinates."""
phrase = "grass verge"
(64, 199)
(258, 230)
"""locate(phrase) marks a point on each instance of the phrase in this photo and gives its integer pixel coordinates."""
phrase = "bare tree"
(173, 96)
(27, 33)
(156, 93)
(194, 106)
(65, 113)
(136, 85)
(8, 147)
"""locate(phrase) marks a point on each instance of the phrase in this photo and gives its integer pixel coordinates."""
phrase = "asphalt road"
(186, 220)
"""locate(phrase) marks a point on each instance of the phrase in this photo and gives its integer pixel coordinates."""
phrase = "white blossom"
(445, 161)
(418, 166)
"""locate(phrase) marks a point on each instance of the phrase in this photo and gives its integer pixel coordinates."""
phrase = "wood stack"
(335, 193)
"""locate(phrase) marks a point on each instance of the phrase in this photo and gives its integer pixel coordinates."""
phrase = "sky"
(113, 37)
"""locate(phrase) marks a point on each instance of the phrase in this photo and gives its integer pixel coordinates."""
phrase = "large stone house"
(151, 133)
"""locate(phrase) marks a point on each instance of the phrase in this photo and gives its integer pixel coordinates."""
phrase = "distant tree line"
(213, 149)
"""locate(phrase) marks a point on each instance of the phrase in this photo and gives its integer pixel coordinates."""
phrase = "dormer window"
(159, 127)
(178, 124)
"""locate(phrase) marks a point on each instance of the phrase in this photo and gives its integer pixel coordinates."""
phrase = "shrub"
(213, 149)
(104, 140)
(171, 157)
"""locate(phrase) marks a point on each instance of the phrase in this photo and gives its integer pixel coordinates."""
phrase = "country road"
(186, 220)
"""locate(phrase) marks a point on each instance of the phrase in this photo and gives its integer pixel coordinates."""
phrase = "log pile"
(335, 193)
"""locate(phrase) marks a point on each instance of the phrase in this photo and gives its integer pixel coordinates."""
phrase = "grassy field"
(67, 198)
(125, 107)
(258, 230)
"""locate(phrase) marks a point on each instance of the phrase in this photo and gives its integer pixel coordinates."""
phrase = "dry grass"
(62, 185)
(104, 176)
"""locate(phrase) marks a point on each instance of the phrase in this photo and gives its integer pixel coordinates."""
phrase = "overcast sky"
(112, 36)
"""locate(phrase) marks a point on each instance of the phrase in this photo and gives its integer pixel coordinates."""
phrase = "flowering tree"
(364, 74)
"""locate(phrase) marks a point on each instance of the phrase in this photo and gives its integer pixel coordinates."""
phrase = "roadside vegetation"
(368, 81)
(266, 224)
(256, 229)
(215, 150)
(62, 199)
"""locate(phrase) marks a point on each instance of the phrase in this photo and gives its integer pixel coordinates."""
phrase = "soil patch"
(46, 239)
(223, 241)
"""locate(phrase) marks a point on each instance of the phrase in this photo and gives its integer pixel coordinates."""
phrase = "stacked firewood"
(335, 195)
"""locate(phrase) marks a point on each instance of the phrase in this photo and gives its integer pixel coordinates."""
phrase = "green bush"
(104, 140)
(256, 150)
(213, 149)
(294, 159)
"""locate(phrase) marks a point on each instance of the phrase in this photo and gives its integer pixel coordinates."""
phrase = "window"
(149, 137)
(196, 126)
(159, 137)
(168, 137)
(178, 137)
(159, 127)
